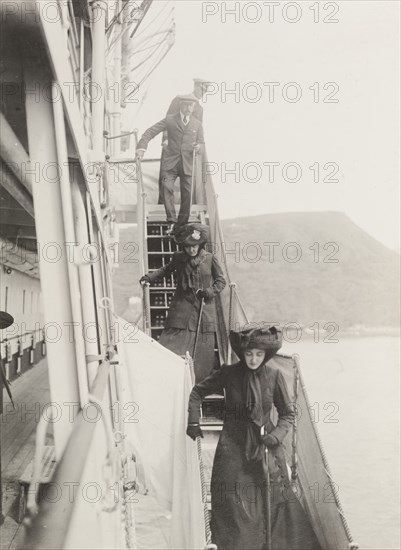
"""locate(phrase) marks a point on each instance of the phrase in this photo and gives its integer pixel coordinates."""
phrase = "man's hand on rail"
(144, 280)
(197, 148)
(140, 153)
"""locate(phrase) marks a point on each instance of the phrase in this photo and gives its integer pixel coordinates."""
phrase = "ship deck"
(30, 393)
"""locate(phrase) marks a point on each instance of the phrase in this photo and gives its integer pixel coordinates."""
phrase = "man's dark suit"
(176, 161)
(172, 110)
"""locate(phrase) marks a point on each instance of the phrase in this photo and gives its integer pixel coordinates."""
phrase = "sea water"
(354, 390)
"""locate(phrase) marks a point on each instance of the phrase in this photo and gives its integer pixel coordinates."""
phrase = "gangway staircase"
(156, 251)
(159, 249)
(308, 460)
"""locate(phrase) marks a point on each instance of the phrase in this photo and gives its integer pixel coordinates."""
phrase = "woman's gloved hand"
(270, 440)
(202, 294)
(194, 431)
(144, 279)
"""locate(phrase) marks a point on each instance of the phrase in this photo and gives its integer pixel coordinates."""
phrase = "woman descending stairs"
(160, 248)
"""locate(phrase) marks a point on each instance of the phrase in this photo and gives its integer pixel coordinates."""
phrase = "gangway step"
(212, 412)
(160, 248)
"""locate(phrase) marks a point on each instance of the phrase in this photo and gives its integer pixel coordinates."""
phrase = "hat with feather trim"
(269, 339)
(192, 234)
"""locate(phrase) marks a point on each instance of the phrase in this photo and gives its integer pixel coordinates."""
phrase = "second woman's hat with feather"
(192, 234)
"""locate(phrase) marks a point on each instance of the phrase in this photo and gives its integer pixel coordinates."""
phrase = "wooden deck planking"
(32, 387)
(18, 428)
(18, 444)
(19, 462)
(8, 532)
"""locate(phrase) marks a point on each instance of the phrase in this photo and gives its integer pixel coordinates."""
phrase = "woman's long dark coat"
(238, 485)
(182, 318)
(185, 306)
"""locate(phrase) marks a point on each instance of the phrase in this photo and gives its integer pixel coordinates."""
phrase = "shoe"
(171, 229)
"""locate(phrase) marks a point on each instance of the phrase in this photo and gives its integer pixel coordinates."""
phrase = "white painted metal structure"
(56, 214)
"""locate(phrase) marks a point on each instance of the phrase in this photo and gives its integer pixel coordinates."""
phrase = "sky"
(317, 94)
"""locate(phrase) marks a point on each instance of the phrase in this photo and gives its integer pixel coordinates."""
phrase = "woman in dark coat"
(239, 498)
(198, 276)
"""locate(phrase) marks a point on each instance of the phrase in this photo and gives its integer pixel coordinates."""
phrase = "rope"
(220, 234)
(352, 545)
(156, 47)
(294, 465)
(240, 305)
(151, 22)
(155, 66)
(230, 306)
(117, 16)
(208, 532)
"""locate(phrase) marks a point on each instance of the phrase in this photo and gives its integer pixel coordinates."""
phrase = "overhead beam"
(17, 231)
(16, 218)
(14, 155)
(16, 14)
(13, 186)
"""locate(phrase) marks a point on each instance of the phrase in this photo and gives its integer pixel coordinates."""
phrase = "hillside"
(322, 267)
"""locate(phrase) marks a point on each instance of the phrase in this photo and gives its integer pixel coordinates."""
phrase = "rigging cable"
(148, 57)
(153, 20)
(155, 66)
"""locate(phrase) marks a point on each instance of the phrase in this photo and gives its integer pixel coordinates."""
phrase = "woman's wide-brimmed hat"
(191, 234)
(269, 339)
(6, 320)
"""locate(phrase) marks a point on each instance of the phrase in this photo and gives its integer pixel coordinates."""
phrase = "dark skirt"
(180, 341)
(239, 500)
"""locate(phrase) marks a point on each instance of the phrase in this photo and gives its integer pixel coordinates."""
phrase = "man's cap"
(202, 81)
(6, 320)
(188, 97)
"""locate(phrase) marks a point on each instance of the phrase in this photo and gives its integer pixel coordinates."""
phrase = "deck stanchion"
(32, 350)
(20, 354)
(43, 345)
(8, 359)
